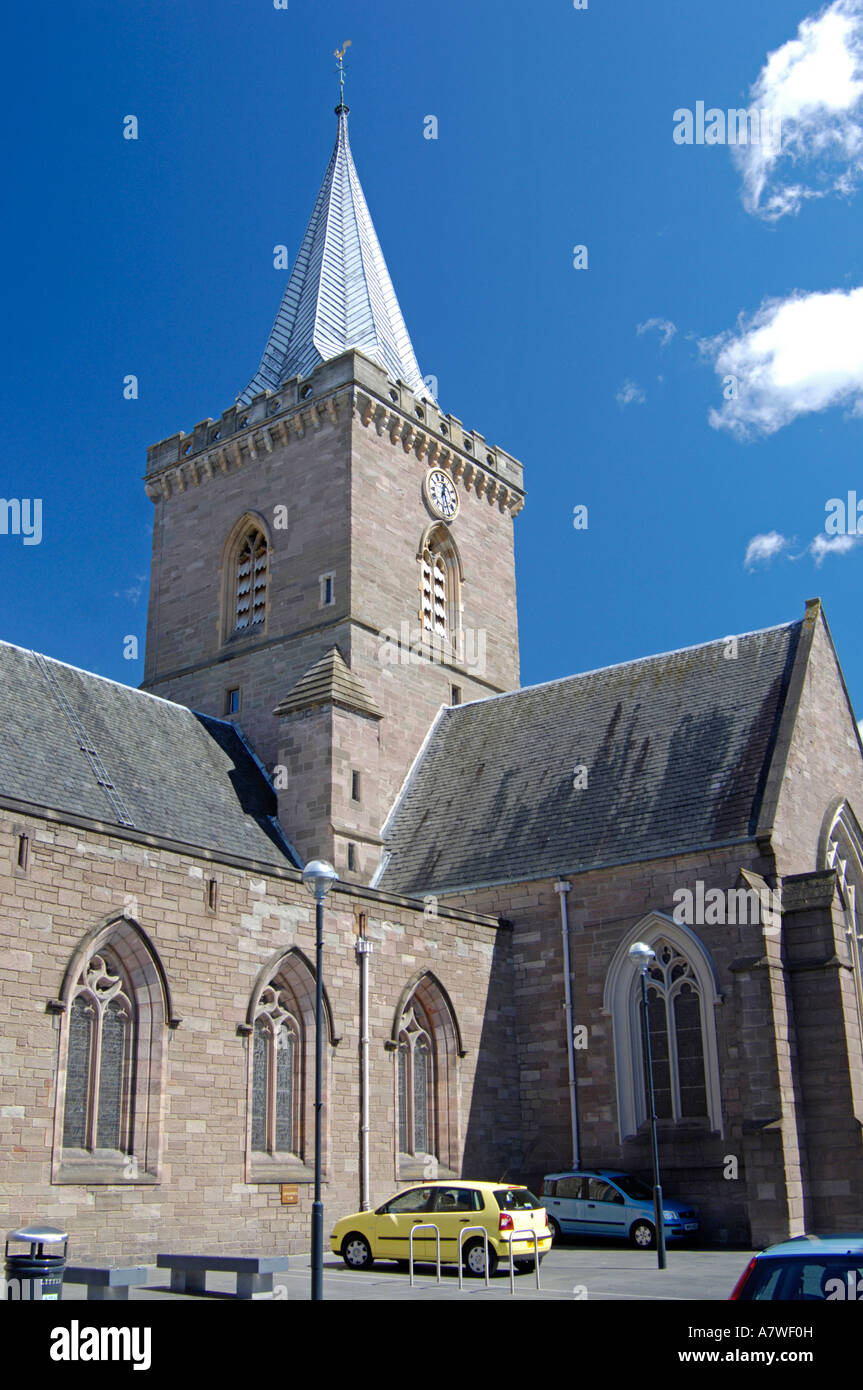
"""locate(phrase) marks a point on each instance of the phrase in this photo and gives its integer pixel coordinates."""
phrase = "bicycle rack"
(466, 1231)
(520, 1235)
(423, 1226)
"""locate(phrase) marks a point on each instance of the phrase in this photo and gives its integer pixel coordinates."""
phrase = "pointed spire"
(339, 294)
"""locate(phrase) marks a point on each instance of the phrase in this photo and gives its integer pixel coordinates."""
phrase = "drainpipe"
(364, 950)
(563, 887)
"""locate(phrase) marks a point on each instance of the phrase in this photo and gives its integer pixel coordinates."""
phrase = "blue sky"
(555, 129)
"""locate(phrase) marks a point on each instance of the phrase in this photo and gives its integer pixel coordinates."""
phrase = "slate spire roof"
(339, 295)
(668, 754)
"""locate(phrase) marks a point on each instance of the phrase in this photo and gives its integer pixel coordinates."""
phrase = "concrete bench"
(254, 1272)
(106, 1282)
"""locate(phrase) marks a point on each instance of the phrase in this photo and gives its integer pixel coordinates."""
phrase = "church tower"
(333, 557)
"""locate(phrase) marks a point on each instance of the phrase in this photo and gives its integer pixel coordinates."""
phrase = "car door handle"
(591, 1204)
(465, 1220)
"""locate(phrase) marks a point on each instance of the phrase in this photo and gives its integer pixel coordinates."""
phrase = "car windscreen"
(515, 1199)
(633, 1187)
(833, 1277)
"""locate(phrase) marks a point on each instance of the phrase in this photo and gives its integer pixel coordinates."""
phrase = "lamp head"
(641, 955)
(319, 877)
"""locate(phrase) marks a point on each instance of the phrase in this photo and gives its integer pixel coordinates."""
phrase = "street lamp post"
(319, 877)
(641, 955)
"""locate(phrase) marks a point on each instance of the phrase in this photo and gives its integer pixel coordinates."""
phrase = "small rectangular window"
(352, 858)
(328, 589)
(212, 895)
(232, 701)
(23, 853)
(355, 786)
(455, 695)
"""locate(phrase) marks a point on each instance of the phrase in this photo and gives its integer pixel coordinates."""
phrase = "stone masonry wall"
(76, 878)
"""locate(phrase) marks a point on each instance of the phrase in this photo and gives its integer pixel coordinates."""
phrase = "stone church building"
(332, 671)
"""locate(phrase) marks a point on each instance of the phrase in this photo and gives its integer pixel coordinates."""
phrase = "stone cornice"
(351, 382)
(497, 479)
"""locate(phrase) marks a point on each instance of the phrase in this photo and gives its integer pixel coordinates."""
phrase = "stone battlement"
(300, 404)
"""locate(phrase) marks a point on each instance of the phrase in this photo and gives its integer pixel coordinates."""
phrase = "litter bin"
(35, 1274)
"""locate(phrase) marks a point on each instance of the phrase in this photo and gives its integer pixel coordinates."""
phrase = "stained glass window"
(276, 1074)
(100, 1059)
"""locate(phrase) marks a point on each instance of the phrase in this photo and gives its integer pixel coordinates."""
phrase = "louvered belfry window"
(252, 570)
(434, 595)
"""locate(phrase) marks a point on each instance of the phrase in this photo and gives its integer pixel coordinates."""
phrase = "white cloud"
(762, 549)
(663, 326)
(813, 85)
(630, 393)
(133, 593)
(832, 545)
(792, 357)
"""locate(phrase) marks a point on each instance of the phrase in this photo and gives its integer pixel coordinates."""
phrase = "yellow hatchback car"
(504, 1209)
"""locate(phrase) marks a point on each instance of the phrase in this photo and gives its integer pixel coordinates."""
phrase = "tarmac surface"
(571, 1271)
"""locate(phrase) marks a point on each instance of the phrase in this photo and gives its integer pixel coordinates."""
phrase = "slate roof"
(329, 682)
(339, 294)
(677, 749)
(154, 766)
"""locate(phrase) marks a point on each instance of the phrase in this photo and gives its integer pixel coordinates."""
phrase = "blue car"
(605, 1202)
(805, 1268)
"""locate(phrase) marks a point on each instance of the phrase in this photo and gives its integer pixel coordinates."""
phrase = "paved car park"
(572, 1271)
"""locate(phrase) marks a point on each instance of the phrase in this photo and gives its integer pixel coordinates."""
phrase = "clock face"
(441, 493)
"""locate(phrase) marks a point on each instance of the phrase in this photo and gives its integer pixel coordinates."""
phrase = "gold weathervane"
(340, 54)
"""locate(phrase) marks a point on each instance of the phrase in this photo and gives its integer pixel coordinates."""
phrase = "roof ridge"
(94, 675)
(616, 665)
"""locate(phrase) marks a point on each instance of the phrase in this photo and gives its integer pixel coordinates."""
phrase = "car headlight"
(669, 1215)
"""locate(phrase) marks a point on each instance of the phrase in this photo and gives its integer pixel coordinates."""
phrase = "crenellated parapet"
(350, 384)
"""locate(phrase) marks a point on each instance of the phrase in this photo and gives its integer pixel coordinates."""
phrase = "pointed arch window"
(250, 586)
(280, 1027)
(416, 1084)
(676, 1037)
(116, 1011)
(277, 1074)
(440, 587)
(682, 995)
(426, 1041)
(843, 852)
(99, 1069)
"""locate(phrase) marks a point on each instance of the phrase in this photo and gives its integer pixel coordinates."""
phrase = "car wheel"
(643, 1235)
(356, 1251)
(474, 1259)
(553, 1230)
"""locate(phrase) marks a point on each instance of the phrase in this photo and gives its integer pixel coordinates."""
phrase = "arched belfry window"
(251, 582)
(280, 1027)
(681, 998)
(440, 586)
(246, 575)
(427, 1044)
(115, 1012)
